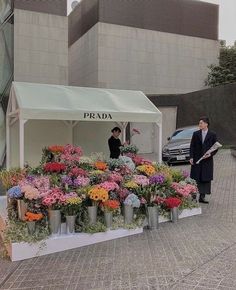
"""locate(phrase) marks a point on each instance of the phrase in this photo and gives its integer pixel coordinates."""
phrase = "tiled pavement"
(196, 253)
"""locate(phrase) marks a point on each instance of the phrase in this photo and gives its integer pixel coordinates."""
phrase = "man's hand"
(207, 155)
(191, 161)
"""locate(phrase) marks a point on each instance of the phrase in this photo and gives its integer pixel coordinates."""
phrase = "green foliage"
(11, 177)
(188, 203)
(95, 228)
(115, 163)
(118, 222)
(129, 149)
(17, 231)
(225, 72)
(177, 175)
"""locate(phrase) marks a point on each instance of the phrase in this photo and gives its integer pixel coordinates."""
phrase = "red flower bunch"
(54, 167)
(172, 202)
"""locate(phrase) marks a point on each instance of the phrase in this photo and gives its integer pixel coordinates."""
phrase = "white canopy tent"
(29, 101)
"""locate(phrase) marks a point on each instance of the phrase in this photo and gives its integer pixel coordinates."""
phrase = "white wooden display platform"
(54, 244)
(183, 214)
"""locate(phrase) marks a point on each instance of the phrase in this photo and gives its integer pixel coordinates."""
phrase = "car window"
(183, 134)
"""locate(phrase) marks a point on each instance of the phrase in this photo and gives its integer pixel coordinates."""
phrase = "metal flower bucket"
(31, 227)
(55, 221)
(129, 214)
(70, 224)
(152, 217)
(108, 219)
(174, 214)
(92, 213)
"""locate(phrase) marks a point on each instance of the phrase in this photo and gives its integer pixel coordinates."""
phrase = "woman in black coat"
(202, 141)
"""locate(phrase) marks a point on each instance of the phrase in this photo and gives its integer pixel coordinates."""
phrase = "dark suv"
(177, 150)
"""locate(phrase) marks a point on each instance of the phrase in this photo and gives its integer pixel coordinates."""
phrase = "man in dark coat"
(201, 142)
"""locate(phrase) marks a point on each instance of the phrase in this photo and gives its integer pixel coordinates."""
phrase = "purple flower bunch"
(66, 180)
(157, 179)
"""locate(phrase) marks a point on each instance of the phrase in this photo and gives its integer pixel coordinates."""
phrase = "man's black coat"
(204, 171)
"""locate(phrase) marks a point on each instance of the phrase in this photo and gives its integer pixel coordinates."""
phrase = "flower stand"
(54, 244)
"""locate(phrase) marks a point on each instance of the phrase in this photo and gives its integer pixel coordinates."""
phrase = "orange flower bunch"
(56, 149)
(100, 165)
(111, 205)
(147, 169)
(32, 217)
(97, 193)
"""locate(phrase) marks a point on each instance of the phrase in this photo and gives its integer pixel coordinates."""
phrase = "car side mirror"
(168, 138)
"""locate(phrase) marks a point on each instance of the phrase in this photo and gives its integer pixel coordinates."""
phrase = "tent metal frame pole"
(160, 143)
(22, 142)
(71, 125)
(8, 142)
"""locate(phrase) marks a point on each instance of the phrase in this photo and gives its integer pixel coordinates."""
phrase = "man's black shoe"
(203, 200)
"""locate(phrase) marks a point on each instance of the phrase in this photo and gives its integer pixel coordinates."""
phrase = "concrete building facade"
(116, 56)
(154, 46)
(40, 45)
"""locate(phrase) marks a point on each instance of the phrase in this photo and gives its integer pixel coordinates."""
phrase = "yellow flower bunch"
(97, 193)
(147, 169)
(74, 201)
(96, 172)
(131, 184)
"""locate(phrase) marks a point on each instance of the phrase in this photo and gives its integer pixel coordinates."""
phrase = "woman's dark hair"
(115, 129)
(205, 120)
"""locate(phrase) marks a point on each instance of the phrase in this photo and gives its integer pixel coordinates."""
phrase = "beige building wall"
(40, 47)
(83, 60)
(151, 61)
(122, 57)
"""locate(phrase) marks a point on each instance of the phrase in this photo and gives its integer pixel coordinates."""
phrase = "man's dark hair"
(205, 119)
(115, 129)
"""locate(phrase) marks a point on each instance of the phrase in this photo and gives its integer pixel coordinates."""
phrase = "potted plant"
(96, 194)
(109, 207)
(54, 201)
(70, 209)
(16, 193)
(173, 204)
(31, 219)
(132, 201)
